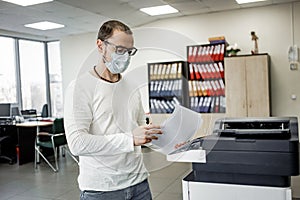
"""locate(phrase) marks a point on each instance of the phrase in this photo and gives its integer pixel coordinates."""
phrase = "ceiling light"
(45, 25)
(159, 10)
(248, 1)
(27, 2)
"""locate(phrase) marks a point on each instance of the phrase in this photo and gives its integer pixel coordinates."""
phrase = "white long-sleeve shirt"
(98, 130)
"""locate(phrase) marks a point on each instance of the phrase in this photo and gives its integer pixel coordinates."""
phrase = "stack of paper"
(178, 128)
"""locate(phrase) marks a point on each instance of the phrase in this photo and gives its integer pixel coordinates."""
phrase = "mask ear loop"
(103, 59)
(103, 55)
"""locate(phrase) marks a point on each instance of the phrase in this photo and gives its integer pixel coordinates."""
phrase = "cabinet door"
(235, 87)
(257, 71)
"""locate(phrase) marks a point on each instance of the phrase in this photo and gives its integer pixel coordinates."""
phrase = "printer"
(245, 159)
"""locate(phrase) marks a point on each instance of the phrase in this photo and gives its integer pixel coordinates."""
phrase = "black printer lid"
(257, 128)
(275, 134)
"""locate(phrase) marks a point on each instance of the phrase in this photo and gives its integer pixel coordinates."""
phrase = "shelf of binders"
(167, 86)
(206, 78)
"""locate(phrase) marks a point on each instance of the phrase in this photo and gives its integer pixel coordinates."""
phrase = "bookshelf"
(206, 83)
(167, 86)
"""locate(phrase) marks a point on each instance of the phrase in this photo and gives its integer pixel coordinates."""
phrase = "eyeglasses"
(122, 50)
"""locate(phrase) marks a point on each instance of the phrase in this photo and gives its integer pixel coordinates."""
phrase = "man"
(110, 158)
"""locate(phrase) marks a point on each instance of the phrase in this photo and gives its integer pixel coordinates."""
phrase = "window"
(55, 79)
(33, 74)
(8, 86)
(26, 74)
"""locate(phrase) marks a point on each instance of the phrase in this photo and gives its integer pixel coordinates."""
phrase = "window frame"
(18, 70)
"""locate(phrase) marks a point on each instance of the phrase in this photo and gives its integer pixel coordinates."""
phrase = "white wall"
(74, 51)
(273, 25)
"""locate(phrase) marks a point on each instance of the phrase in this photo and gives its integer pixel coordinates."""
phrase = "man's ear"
(99, 45)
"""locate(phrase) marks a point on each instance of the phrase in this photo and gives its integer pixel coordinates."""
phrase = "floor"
(26, 183)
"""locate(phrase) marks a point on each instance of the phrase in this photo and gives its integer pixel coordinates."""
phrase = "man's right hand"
(145, 134)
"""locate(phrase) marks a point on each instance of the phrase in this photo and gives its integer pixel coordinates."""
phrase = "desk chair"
(45, 112)
(3, 139)
(7, 146)
(57, 139)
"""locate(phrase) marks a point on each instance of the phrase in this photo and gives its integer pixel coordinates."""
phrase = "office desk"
(35, 124)
(27, 132)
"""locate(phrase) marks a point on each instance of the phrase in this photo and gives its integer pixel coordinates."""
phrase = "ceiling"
(82, 16)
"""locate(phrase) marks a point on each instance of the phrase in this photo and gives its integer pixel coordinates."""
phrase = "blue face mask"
(118, 63)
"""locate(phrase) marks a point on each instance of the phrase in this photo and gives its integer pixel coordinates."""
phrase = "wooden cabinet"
(247, 86)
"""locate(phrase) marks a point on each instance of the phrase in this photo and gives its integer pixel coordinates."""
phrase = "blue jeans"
(140, 191)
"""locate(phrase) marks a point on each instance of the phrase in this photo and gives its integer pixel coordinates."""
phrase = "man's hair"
(107, 29)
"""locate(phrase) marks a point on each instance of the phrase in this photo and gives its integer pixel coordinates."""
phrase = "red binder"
(197, 73)
(192, 77)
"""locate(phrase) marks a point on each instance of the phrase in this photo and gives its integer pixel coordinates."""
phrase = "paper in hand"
(178, 128)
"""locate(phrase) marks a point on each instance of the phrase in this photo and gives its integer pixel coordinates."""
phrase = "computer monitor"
(15, 111)
(5, 110)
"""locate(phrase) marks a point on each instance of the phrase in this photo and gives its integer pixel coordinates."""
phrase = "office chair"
(45, 112)
(4, 139)
(57, 139)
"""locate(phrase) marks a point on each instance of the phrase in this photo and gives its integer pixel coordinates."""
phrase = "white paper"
(178, 128)
(194, 155)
